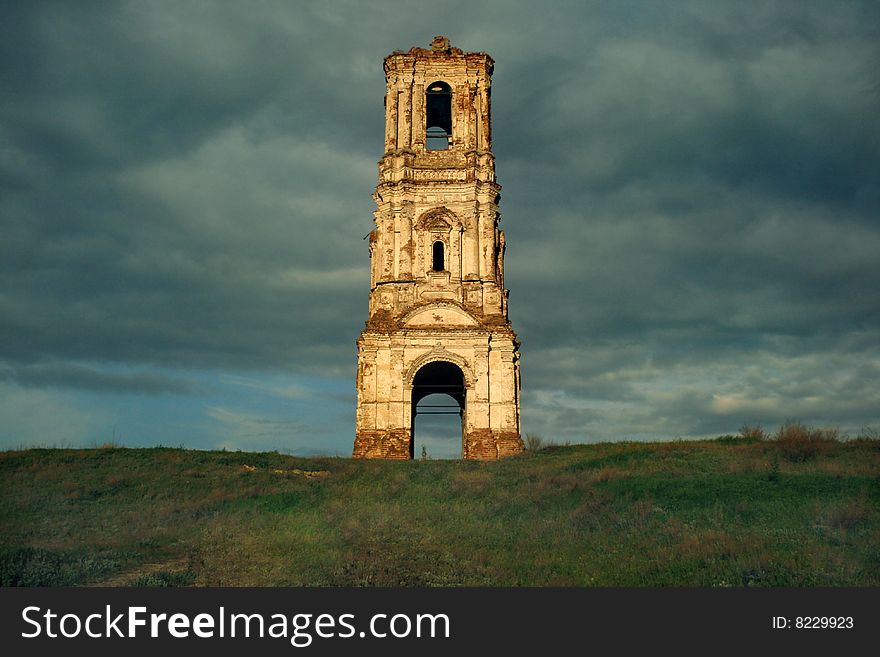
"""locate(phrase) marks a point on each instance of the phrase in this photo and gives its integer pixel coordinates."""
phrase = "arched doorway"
(438, 398)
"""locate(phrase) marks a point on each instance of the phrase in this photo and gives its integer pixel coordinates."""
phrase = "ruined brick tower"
(438, 308)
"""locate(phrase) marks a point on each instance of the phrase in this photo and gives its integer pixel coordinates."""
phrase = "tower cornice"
(403, 61)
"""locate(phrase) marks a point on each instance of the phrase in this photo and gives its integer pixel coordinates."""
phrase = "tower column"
(391, 118)
(483, 140)
(404, 123)
(418, 113)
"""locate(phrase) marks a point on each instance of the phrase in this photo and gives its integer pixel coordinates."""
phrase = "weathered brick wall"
(486, 444)
(481, 444)
(391, 444)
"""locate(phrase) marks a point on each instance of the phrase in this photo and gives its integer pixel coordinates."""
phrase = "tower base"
(486, 444)
(396, 444)
(476, 366)
(393, 444)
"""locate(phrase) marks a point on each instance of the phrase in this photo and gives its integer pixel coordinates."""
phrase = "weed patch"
(39, 567)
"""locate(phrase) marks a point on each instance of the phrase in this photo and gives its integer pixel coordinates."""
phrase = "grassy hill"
(796, 511)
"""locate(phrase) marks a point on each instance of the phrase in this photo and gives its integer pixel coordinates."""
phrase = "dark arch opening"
(438, 397)
(437, 260)
(438, 116)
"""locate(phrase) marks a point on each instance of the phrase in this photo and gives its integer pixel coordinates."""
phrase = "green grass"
(737, 511)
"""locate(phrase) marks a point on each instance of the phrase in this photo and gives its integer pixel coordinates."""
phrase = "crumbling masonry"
(438, 307)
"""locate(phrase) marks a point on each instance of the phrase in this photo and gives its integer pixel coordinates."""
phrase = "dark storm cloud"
(110, 84)
(173, 192)
(712, 203)
(690, 197)
(81, 377)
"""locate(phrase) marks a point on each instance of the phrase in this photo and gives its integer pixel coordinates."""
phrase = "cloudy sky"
(691, 202)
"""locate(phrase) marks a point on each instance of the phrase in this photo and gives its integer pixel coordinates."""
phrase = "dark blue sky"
(691, 202)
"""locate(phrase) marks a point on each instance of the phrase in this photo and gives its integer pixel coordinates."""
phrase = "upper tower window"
(437, 263)
(438, 119)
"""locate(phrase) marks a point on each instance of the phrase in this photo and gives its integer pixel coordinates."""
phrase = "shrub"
(798, 443)
(164, 579)
(38, 567)
(773, 474)
(533, 442)
(846, 514)
(752, 432)
(868, 437)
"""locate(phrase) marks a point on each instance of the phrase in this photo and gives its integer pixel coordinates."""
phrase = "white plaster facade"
(437, 263)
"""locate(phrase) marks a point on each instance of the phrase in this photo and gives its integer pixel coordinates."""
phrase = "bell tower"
(438, 308)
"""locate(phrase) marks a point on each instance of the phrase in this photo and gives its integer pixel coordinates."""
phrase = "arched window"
(437, 257)
(438, 119)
